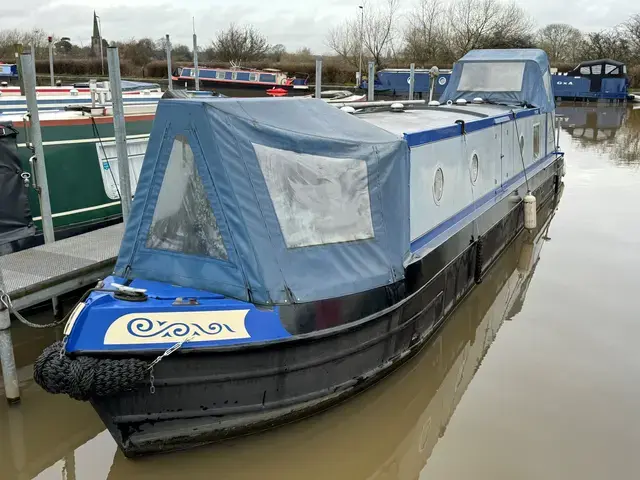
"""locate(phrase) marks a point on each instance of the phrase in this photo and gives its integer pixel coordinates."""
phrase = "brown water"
(535, 376)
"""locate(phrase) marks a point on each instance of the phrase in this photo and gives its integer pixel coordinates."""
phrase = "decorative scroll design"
(169, 327)
(145, 328)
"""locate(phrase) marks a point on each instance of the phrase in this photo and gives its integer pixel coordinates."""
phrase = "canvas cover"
(510, 76)
(15, 214)
(268, 200)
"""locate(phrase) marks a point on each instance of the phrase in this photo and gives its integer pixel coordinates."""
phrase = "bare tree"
(632, 31)
(238, 44)
(427, 34)
(376, 31)
(560, 41)
(478, 23)
(606, 44)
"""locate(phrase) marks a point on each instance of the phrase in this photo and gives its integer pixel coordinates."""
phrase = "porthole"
(474, 168)
(438, 186)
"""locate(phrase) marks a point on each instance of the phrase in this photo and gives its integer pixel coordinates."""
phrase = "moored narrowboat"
(243, 82)
(282, 255)
(594, 80)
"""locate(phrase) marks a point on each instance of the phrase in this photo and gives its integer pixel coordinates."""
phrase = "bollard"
(119, 127)
(319, 77)
(9, 372)
(412, 80)
(168, 42)
(371, 80)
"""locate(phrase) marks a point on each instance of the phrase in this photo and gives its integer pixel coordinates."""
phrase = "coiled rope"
(84, 377)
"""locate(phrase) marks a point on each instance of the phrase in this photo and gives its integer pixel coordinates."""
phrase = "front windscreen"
(491, 77)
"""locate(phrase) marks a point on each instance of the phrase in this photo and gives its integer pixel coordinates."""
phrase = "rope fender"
(84, 377)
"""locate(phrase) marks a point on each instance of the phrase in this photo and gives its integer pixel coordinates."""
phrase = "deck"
(37, 274)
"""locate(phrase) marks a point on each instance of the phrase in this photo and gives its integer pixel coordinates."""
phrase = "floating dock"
(38, 274)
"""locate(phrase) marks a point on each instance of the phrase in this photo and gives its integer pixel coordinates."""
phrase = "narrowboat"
(283, 254)
(243, 82)
(394, 82)
(593, 80)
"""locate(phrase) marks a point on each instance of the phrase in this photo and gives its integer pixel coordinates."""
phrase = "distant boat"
(394, 82)
(243, 82)
(593, 80)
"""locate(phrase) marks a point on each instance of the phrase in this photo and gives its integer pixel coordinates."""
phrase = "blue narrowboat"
(283, 254)
(594, 80)
(394, 83)
(243, 82)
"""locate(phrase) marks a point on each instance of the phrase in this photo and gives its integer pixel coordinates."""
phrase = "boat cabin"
(593, 80)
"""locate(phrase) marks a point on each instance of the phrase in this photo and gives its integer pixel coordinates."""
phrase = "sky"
(295, 24)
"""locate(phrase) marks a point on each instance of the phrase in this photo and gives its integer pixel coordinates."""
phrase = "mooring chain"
(167, 352)
(6, 301)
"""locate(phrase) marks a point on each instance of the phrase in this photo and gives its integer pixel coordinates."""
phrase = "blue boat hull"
(213, 393)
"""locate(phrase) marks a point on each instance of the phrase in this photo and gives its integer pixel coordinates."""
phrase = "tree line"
(431, 33)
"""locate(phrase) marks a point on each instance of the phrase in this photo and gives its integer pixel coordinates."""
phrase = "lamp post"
(100, 37)
(361, 7)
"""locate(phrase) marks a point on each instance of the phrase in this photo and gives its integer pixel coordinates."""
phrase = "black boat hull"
(239, 89)
(210, 395)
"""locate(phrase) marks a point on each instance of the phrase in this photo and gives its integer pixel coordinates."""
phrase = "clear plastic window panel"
(492, 77)
(585, 71)
(596, 69)
(183, 220)
(611, 69)
(318, 200)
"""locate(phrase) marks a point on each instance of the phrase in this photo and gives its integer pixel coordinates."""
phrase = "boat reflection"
(591, 124)
(387, 432)
(614, 130)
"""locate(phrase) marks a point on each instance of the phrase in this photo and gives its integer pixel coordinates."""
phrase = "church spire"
(96, 30)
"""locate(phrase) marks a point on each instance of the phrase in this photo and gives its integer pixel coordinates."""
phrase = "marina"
(541, 359)
(200, 275)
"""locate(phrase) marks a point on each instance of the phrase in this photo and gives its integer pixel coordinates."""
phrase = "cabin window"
(611, 69)
(585, 71)
(438, 185)
(268, 78)
(536, 141)
(183, 220)
(624, 69)
(253, 77)
(234, 76)
(474, 168)
(220, 75)
(596, 69)
(492, 77)
(318, 200)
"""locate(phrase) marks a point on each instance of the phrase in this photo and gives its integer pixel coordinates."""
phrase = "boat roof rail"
(377, 103)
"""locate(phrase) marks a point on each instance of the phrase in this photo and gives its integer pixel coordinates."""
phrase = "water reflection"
(387, 432)
(607, 129)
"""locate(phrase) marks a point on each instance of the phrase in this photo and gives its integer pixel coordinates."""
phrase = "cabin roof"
(601, 61)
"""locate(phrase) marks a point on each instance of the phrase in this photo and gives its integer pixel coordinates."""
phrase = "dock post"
(371, 80)
(18, 50)
(412, 80)
(119, 127)
(9, 372)
(318, 77)
(39, 164)
(29, 70)
(195, 59)
(50, 39)
(168, 44)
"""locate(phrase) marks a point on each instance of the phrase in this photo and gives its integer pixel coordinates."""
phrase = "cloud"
(294, 24)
